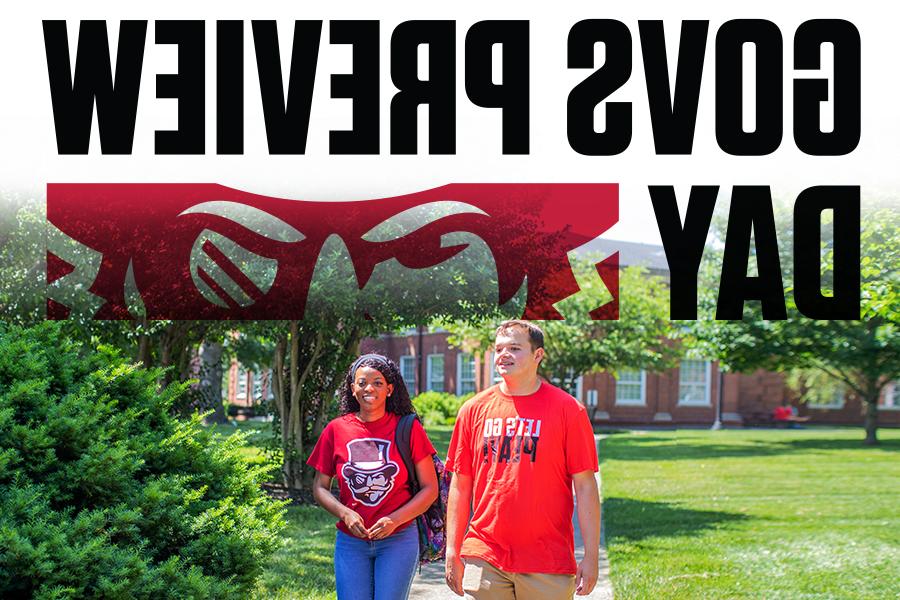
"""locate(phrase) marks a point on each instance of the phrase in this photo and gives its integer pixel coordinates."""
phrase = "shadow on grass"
(626, 519)
(892, 445)
(654, 448)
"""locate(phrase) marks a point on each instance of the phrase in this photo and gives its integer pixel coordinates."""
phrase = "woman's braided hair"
(398, 402)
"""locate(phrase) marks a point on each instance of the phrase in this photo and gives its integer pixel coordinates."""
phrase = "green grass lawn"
(440, 438)
(805, 513)
(302, 568)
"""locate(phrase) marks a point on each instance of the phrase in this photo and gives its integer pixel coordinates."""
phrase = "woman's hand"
(351, 518)
(382, 528)
(354, 523)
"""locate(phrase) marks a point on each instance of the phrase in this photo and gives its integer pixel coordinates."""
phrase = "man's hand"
(382, 528)
(586, 576)
(454, 568)
(354, 523)
(587, 503)
(458, 503)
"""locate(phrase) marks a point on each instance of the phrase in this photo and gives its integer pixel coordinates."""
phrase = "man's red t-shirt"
(364, 458)
(521, 452)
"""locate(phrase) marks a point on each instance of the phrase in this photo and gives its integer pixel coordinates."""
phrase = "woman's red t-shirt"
(364, 458)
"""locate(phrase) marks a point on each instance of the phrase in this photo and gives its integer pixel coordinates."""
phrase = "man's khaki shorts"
(483, 581)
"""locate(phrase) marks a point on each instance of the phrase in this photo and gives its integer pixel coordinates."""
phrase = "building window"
(574, 390)
(693, 382)
(465, 374)
(408, 372)
(257, 389)
(831, 401)
(891, 398)
(435, 372)
(495, 377)
(241, 392)
(631, 388)
(592, 398)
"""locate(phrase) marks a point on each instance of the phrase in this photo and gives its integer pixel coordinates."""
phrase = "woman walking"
(377, 545)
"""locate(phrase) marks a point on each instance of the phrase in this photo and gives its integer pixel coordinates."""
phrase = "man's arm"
(459, 502)
(587, 499)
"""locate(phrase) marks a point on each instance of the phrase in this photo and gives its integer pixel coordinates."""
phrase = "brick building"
(685, 395)
(245, 389)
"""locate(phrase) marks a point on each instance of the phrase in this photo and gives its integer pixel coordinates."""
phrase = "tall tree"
(863, 355)
(310, 357)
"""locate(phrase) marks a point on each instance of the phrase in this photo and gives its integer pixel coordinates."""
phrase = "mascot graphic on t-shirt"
(369, 472)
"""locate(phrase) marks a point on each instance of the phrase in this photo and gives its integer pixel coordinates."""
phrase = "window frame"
(579, 387)
(495, 377)
(410, 381)
(643, 389)
(459, 374)
(257, 387)
(892, 393)
(241, 382)
(838, 401)
(429, 379)
(707, 388)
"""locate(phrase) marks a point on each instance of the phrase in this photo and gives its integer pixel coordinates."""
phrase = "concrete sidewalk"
(429, 583)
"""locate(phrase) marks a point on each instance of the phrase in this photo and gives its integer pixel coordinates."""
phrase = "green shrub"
(438, 408)
(104, 494)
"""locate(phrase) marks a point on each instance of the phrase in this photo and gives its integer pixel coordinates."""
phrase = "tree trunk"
(294, 425)
(303, 386)
(211, 372)
(143, 354)
(871, 419)
(168, 352)
(319, 403)
(280, 391)
(293, 470)
(175, 345)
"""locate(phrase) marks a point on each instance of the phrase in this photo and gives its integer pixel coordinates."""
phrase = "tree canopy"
(863, 355)
(642, 337)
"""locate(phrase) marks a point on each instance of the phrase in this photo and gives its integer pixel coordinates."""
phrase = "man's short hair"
(535, 334)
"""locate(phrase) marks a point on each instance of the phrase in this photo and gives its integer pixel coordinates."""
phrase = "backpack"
(433, 522)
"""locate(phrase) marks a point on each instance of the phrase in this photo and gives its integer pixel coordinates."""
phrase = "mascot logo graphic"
(369, 472)
(204, 251)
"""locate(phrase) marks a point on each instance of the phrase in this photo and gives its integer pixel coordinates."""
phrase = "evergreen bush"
(104, 494)
(438, 408)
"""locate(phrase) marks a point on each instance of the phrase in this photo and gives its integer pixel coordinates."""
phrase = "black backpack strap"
(402, 438)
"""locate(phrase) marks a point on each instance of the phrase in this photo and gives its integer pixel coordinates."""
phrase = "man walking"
(516, 452)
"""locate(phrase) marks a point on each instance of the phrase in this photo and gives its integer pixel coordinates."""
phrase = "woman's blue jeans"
(376, 570)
